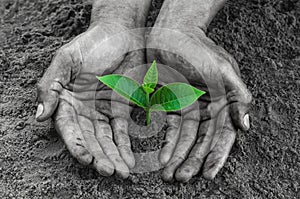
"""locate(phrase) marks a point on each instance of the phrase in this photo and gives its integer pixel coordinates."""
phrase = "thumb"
(238, 95)
(52, 83)
(239, 98)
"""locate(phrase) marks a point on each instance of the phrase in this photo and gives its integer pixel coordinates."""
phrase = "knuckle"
(119, 123)
(224, 63)
(77, 151)
(248, 97)
(125, 151)
(88, 132)
(61, 52)
(103, 126)
(122, 139)
(173, 121)
(56, 86)
(193, 115)
(227, 59)
(235, 66)
(195, 161)
(186, 139)
(40, 89)
(63, 55)
(230, 60)
(39, 86)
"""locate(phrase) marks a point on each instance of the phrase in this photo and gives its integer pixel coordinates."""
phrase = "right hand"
(207, 131)
(69, 91)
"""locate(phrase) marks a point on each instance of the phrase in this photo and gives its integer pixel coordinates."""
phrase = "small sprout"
(150, 79)
(171, 97)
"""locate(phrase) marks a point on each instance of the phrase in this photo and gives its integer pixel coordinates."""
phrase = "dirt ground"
(263, 35)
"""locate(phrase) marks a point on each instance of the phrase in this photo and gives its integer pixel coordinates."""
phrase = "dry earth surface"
(263, 35)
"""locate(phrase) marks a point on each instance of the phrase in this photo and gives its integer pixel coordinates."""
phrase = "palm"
(205, 134)
(83, 117)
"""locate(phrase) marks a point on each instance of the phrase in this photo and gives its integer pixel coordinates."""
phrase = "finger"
(101, 163)
(121, 137)
(51, 84)
(239, 111)
(119, 113)
(129, 66)
(83, 108)
(95, 95)
(172, 135)
(239, 98)
(221, 119)
(217, 157)
(66, 125)
(104, 137)
(211, 109)
(226, 55)
(208, 134)
(185, 143)
(113, 108)
(200, 150)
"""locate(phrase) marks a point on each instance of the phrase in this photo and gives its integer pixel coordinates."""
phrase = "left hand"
(70, 93)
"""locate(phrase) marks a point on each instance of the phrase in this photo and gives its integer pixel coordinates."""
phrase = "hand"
(70, 91)
(207, 131)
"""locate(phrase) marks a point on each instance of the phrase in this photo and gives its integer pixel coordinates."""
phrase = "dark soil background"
(263, 35)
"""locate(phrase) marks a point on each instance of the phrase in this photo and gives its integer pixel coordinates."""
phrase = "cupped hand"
(81, 107)
(203, 136)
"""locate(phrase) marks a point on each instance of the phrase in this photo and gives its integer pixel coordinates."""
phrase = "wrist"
(209, 11)
(188, 15)
(127, 13)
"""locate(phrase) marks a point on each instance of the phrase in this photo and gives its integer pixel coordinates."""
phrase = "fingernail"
(40, 110)
(247, 121)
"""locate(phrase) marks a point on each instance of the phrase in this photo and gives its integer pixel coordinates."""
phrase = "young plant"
(171, 97)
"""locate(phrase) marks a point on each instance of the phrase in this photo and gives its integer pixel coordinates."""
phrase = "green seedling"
(171, 97)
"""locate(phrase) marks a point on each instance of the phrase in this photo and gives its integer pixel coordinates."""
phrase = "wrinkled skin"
(80, 106)
(204, 136)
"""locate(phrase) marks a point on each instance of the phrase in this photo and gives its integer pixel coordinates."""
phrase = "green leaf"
(174, 97)
(148, 89)
(151, 78)
(126, 87)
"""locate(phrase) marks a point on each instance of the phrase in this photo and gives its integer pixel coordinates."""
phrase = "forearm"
(128, 13)
(192, 13)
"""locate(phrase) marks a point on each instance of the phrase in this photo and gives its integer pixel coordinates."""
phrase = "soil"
(263, 36)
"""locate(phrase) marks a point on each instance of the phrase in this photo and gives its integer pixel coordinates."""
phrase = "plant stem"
(147, 98)
(148, 114)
